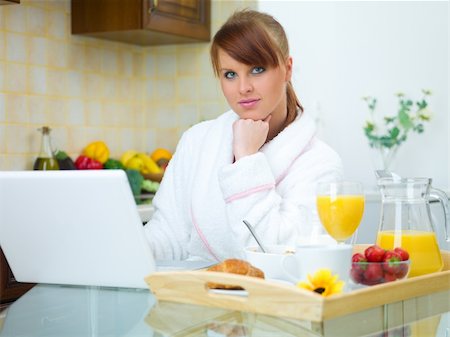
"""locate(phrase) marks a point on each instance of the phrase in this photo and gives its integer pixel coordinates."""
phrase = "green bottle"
(45, 160)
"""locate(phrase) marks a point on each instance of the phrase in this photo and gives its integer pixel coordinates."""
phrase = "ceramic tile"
(75, 112)
(38, 51)
(95, 59)
(209, 89)
(2, 108)
(2, 43)
(15, 16)
(209, 111)
(128, 140)
(89, 89)
(38, 80)
(164, 91)
(2, 75)
(74, 84)
(187, 115)
(59, 138)
(56, 111)
(57, 25)
(76, 56)
(138, 65)
(16, 47)
(56, 82)
(94, 114)
(150, 65)
(167, 138)
(37, 105)
(76, 139)
(112, 140)
(166, 66)
(187, 62)
(15, 140)
(110, 62)
(187, 90)
(110, 87)
(125, 64)
(149, 91)
(37, 21)
(57, 54)
(2, 143)
(166, 117)
(150, 140)
(15, 78)
(93, 85)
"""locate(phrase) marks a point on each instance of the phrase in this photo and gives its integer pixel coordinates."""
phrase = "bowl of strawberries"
(377, 265)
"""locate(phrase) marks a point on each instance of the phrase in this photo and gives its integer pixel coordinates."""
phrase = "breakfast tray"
(275, 299)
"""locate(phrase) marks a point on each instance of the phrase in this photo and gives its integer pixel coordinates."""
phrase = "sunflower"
(323, 282)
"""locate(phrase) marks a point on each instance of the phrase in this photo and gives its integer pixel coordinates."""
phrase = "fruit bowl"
(372, 273)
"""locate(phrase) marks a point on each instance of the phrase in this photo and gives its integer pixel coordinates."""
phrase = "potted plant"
(385, 137)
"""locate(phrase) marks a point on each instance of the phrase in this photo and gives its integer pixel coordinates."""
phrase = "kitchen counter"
(52, 310)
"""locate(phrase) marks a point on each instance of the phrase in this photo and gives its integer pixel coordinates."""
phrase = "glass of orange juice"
(340, 206)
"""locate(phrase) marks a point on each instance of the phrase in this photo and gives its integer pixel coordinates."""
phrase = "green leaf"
(405, 120)
(394, 132)
(422, 104)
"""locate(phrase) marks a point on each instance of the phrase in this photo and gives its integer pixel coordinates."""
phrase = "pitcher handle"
(443, 199)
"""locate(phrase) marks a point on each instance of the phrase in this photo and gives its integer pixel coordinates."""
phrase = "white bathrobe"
(204, 196)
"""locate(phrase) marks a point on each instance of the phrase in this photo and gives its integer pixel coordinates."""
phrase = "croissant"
(234, 266)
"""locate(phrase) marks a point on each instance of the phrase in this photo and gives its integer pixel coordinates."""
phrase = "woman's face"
(254, 92)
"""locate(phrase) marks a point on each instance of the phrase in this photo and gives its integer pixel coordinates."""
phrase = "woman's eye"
(258, 70)
(230, 74)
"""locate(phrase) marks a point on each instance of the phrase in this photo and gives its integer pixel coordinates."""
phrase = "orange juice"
(340, 215)
(422, 247)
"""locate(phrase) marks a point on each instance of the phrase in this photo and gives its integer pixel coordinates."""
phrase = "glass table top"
(52, 310)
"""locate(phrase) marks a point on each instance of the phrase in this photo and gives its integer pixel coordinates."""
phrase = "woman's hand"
(249, 136)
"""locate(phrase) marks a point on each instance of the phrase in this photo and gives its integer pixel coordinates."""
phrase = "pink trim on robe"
(202, 237)
(244, 194)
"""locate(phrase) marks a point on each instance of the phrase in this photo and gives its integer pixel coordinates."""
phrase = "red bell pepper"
(86, 163)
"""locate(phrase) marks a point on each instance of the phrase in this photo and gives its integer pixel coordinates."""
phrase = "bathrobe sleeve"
(280, 208)
(168, 231)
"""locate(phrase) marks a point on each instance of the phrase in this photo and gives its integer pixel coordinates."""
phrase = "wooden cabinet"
(9, 2)
(10, 289)
(143, 22)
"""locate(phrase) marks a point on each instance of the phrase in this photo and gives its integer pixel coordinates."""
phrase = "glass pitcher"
(406, 221)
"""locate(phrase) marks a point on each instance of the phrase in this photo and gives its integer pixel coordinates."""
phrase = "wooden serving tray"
(272, 298)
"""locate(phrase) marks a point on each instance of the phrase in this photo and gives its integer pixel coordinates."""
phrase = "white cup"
(308, 259)
(269, 262)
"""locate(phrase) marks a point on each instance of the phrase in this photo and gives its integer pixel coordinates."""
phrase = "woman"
(260, 161)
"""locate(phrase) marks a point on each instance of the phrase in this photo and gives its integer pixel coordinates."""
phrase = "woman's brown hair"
(255, 38)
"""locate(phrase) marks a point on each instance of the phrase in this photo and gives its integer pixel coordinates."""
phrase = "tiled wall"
(88, 89)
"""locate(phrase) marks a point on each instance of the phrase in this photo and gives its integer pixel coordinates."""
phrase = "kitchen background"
(143, 98)
(90, 89)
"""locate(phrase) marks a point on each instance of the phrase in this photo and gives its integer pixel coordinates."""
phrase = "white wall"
(346, 50)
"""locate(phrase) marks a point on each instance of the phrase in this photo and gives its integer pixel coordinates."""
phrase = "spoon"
(258, 241)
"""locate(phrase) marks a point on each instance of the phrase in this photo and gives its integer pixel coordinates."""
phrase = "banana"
(127, 156)
(149, 165)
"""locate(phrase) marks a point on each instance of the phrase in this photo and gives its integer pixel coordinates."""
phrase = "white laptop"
(74, 227)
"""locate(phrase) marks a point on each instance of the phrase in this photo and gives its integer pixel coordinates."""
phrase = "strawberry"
(403, 270)
(388, 277)
(391, 261)
(356, 275)
(358, 257)
(403, 253)
(374, 253)
(373, 273)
